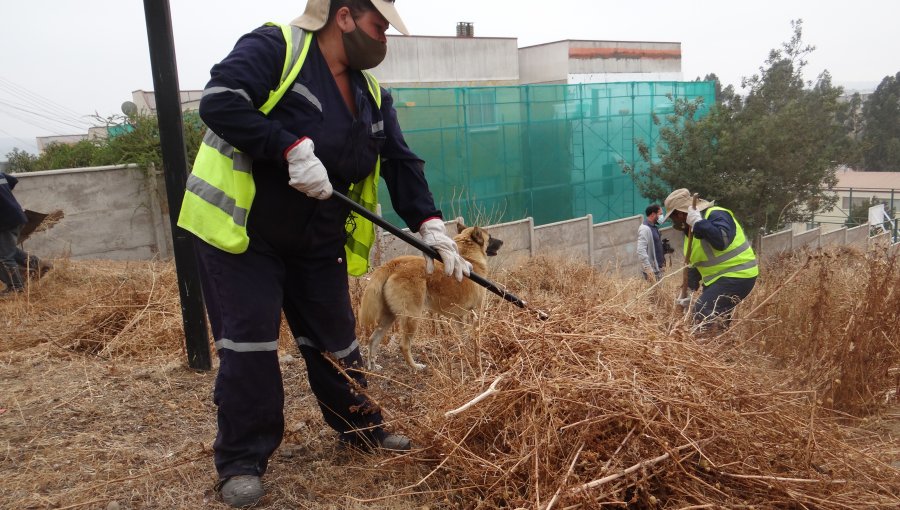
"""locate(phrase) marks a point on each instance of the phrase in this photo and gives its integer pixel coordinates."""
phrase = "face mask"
(363, 52)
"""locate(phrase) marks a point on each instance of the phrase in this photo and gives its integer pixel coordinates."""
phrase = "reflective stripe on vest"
(737, 260)
(220, 189)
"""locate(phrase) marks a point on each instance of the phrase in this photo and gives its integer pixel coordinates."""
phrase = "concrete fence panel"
(858, 236)
(568, 239)
(808, 239)
(881, 241)
(615, 245)
(774, 244)
(110, 212)
(517, 243)
(834, 238)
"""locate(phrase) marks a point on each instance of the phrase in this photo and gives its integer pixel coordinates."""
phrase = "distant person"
(12, 218)
(288, 125)
(721, 258)
(649, 245)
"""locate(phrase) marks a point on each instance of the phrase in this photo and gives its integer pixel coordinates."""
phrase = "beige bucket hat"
(681, 200)
(316, 15)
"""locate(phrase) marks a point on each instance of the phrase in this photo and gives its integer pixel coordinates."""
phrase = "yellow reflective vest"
(220, 188)
(737, 260)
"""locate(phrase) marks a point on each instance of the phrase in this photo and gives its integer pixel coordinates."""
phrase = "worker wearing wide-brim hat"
(721, 258)
(293, 116)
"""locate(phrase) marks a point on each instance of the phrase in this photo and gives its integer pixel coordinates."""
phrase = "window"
(481, 110)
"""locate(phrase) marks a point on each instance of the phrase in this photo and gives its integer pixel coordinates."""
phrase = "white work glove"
(435, 235)
(693, 216)
(307, 173)
(684, 302)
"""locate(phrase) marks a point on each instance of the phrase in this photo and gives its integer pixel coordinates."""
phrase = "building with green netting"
(539, 131)
(551, 152)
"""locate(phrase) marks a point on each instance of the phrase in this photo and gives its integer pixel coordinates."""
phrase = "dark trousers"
(717, 301)
(10, 259)
(245, 295)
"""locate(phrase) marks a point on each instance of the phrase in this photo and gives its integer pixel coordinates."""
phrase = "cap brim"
(701, 205)
(390, 13)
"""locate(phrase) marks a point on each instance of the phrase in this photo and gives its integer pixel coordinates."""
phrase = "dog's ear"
(460, 225)
(479, 236)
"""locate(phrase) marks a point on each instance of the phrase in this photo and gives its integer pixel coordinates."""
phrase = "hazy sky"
(64, 60)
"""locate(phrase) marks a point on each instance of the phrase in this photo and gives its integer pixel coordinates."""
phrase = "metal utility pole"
(171, 138)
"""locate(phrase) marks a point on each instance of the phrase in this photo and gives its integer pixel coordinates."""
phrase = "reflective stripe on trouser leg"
(317, 308)
(344, 409)
(243, 299)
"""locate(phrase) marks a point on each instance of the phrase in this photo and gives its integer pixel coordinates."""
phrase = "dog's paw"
(420, 366)
(372, 366)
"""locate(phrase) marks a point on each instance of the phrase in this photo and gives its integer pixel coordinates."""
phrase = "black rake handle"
(431, 252)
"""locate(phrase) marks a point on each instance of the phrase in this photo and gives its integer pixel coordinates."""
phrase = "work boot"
(395, 442)
(242, 491)
(383, 440)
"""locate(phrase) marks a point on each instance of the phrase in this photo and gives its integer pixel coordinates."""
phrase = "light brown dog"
(401, 291)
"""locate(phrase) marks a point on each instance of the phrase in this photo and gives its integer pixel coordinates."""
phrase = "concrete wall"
(115, 212)
(779, 242)
(545, 63)
(121, 213)
(567, 239)
(422, 61)
(833, 238)
(615, 246)
(587, 57)
(858, 236)
(609, 246)
(809, 239)
(599, 62)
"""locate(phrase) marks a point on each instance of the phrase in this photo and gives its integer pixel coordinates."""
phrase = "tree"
(881, 138)
(137, 143)
(767, 156)
(21, 161)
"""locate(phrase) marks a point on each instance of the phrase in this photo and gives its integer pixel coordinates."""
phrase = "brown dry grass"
(612, 400)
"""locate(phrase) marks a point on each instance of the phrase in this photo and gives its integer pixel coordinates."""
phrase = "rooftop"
(868, 180)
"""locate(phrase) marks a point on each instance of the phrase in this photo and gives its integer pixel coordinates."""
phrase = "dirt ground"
(98, 410)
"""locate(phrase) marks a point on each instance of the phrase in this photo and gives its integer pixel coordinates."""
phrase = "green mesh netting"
(552, 152)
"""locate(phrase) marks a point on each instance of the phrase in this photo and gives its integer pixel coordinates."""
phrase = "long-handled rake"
(431, 252)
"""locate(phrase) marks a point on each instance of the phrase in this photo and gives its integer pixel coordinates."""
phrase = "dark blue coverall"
(719, 298)
(295, 260)
(12, 218)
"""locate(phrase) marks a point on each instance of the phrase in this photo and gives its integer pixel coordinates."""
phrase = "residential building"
(854, 189)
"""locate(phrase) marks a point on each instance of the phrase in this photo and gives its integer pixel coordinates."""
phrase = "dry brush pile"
(612, 401)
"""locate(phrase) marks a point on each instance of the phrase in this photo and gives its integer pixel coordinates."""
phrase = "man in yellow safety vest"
(721, 257)
(292, 116)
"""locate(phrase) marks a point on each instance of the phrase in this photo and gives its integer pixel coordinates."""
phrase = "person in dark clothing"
(330, 129)
(722, 259)
(12, 258)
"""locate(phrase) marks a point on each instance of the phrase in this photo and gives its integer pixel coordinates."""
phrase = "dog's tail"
(372, 303)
